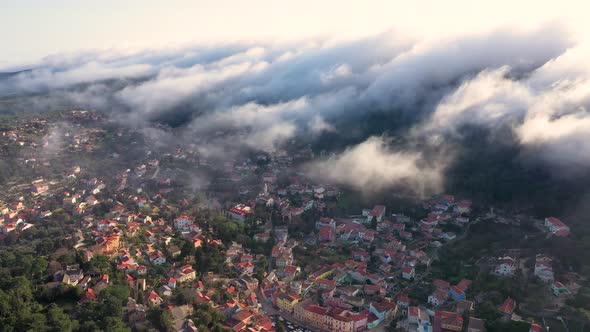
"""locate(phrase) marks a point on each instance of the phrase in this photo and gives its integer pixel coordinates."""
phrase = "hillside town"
(258, 246)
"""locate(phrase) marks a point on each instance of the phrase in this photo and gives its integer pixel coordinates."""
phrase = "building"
(337, 322)
(556, 226)
(457, 293)
(327, 234)
(408, 272)
(438, 297)
(324, 221)
(476, 325)
(377, 213)
(413, 315)
(186, 273)
(507, 308)
(505, 267)
(157, 258)
(557, 288)
(312, 314)
(441, 284)
(447, 321)
(535, 327)
(239, 212)
(464, 306)
(287, 302)
(183, 223)
(154, 299)
(403, 301)
(463, 206)
(384, 310)
(544, 268)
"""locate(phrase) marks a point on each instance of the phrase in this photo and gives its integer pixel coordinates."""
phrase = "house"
(183, 223)
(326, 234)
(405, 235)
(243, 316)
(384, 310)
(403, 301)
(39, 187)
(374, 290)
(462, 220)
(441, 284)
(7, 228)
(287, 302)
(362, 256)
(556, 226)
(337, 322)
(157, 258)
(535, 327)
(463, 206)
(413, 315)
(248, 282)
(89, 295)
(543, 268)
(557, 288)
(457, 293)
(438, 297)
(91, 200)
(324, 221)
(476, 325)
(165, 290)
(186, 273)
(142, 269)
(377, 213)
(154, 299)
(430, 221)
(408, 272)
(174, 251)
(372, 321)
(464, 306)
(291, 271)
(172, 282)
(505, 266)
(239, 212)
(262, 237)
(397, 227)
(447, 321)
(507, 308)
(313, 315)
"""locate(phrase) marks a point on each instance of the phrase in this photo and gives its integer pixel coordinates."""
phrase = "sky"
(33, 29)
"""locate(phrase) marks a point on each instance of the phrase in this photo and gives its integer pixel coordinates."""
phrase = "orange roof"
(508, 306)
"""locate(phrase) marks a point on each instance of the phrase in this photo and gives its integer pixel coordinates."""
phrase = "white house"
(556, 226)
(543, 268)
(157, 258)
(377, 213)
(438, 297)
(408, 272)
(183, 223)
(505, 267)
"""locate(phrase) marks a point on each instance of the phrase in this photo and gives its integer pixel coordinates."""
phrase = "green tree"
(161, 319)
(58, 320)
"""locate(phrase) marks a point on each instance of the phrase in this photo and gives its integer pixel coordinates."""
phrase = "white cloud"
(372, 166)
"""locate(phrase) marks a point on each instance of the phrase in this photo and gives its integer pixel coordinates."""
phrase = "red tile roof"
(508, 306)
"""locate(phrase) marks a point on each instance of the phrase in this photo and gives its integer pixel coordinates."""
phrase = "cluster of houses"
(352, 297)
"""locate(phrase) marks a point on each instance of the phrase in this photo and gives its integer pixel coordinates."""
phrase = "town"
(126, 235)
